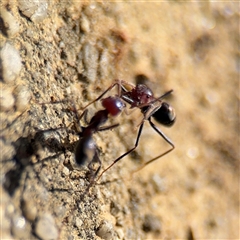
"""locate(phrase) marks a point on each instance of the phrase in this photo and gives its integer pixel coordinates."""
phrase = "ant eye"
(148, 93)
(165, 115)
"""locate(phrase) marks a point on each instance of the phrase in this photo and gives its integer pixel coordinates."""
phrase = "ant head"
(114, 105)
(141, 94)
(165, 115)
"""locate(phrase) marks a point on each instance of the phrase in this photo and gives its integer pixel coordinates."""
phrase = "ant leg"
(13, 122)
(78, 118)
(164, 95)
(154, 101)
(162, 134)
(58, 128)
(52, 102)
(126, 153)
(126, 85)
(73, 108)
(107, 90)
(86, 120)
(108, 127)
(161, 155)
(84, 114)
(93, 171)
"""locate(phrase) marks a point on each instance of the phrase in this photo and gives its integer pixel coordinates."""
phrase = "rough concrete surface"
(57, 56)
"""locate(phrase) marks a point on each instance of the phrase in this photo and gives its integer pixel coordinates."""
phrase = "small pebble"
(159, 183)
(151, 224)
(78, 222)
(104, 64)
(212, 97)
(105, 230)
(90, 60)
(29, 209)
(19, 227)
(85, 24)
(35, 10)
(120, 233)
(65, 171)
(11, 63)
(46, 228)
(10, 24)
(6, 100)
(193, 152)
(59, 211)
(22, 95)
(61, 44)
(89, 10)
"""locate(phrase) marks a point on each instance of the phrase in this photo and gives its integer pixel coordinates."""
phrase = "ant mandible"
(141, 96)
(86, 150)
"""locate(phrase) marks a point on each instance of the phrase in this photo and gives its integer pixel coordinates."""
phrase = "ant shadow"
(26, 148)
(28, 158)
(27, 153)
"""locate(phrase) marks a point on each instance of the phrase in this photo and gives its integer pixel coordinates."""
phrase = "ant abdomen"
(85, 151)
(165, 115)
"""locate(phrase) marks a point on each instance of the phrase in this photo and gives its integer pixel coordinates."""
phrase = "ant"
(141, 96)
(86, 150)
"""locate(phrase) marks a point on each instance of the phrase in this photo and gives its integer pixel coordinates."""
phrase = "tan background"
(74, 53)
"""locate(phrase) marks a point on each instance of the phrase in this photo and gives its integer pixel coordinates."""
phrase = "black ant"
(141, 96)
(86, 150)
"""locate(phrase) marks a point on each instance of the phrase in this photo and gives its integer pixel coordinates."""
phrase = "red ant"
(86, 150)
(141, 96)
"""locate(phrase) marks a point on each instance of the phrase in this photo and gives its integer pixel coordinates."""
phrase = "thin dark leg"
(156, 100)
(86, 120)
(126, 153)
(39, 131)
(161, 155)
(107, 90)
(78, 118)
(165, 94)
(95, 160)
(53, 102)
(13, 122)
(93, 172)
(84, 114)
(108, 127)
(161, 133)
(101, 129)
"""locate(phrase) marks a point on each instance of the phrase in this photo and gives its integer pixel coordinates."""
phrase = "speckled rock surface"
(69, 53)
